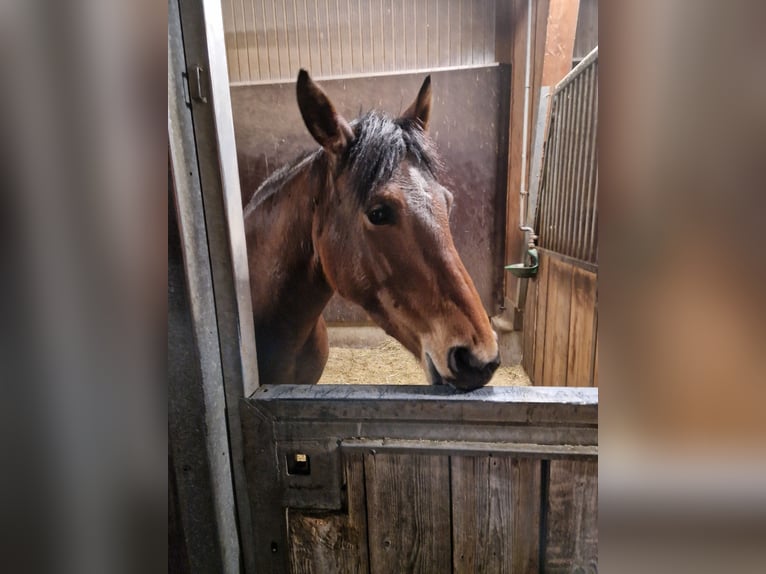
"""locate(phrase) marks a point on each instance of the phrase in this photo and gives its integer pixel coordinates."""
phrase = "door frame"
(206, 196)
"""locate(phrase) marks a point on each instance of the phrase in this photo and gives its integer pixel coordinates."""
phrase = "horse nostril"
(462, 360)
(469, 372)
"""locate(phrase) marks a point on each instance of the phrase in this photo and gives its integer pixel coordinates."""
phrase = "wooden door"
(561, 306)
(417, 479)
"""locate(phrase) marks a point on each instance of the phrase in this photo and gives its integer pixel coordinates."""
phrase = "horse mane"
(276, 181)
(380, 144)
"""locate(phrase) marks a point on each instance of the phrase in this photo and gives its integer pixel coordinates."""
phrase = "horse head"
(381, 235)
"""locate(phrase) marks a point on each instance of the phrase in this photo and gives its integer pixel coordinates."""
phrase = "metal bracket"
(311, 474)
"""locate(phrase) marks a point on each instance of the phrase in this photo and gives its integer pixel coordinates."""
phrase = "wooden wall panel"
(541, 286)
(582, 329)
(530, 328)
(525, 541)
(420, 505)
(571, 517)
(560, 39)
(561, 328)
(269, 40)
(595, 358)
(326, 542)
(483, 495)
(408, 502)
(561, 324)
(557, 323)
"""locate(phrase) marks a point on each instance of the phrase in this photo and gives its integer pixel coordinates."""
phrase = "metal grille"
(269, 40)
(568, 213)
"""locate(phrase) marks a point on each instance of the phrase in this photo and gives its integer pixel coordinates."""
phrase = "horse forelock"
(380, 144)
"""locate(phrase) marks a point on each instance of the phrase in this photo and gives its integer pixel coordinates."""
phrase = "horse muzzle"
(468, 372)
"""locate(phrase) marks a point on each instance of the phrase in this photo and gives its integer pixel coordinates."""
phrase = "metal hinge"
(185, 84)
(196, 81)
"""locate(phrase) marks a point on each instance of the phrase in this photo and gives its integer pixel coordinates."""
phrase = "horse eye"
(381, 215)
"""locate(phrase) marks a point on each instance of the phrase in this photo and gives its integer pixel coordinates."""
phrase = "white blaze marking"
(420, 202)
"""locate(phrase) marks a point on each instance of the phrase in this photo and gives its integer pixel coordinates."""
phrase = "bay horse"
(366, 216)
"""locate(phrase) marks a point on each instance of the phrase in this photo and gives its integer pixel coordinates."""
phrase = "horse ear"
(327, 126)
(420, 109)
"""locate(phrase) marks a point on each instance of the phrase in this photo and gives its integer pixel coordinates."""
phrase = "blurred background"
(682, 310)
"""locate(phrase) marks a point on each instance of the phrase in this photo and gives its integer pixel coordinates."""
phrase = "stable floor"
(366, 355)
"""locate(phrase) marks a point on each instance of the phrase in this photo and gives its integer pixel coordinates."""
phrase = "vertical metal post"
(207, 194)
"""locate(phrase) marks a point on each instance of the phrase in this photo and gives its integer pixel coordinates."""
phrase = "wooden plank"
(530, 326)
(538, 371)
(408, 505)
(557, 323)
(595, 355)
(322, 543)
(482, 513)
(586, 265)
(527, 440)
(581, 329)
(525, 542)
(469, 448)
(571, 517)
(559, 40)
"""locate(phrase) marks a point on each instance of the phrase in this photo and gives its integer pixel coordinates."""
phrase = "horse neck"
(287, 282)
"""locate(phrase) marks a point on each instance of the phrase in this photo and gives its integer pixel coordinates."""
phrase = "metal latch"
(311, 474)
(198, 84)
